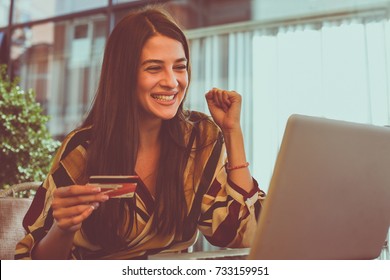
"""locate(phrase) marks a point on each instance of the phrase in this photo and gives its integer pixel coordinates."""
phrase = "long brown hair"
(115, 133)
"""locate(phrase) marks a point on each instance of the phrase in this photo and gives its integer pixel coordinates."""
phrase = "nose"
(169, 80)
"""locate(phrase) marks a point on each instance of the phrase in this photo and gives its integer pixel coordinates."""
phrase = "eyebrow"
(157, 61)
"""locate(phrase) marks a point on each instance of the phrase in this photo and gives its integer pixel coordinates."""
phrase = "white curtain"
(223, 61)
(335, 69)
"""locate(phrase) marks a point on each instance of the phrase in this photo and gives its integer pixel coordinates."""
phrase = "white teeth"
(163, 97)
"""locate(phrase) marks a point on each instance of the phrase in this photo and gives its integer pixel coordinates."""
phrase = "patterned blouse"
(224, 213)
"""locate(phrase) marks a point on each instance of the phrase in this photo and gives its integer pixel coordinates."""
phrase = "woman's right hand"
(73, 204)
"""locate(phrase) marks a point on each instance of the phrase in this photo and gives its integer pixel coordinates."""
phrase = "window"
(61, 62)
(30, 10)
(4, 12)
(338, 70)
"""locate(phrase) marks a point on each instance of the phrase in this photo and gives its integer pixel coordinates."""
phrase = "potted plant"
(26, 146)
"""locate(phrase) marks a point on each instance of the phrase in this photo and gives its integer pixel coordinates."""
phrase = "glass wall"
(61, 62)
(32, 10)
(4, 12)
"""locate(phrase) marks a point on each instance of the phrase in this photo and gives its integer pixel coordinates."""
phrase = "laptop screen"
(329, 196)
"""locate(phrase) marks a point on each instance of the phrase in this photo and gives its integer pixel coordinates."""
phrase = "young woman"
(192, 168)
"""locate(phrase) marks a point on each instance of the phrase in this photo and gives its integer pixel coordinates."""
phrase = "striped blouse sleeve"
(228, 213)
(66, 169)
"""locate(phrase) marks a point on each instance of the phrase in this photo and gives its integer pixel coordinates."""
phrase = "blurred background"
(326, 58)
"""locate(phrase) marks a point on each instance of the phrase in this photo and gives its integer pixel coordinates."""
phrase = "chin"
(167, 117)
(165, 114)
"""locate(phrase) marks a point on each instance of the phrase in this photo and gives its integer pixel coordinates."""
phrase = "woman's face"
(162, 78)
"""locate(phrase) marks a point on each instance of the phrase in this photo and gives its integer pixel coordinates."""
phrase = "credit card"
(116, 186)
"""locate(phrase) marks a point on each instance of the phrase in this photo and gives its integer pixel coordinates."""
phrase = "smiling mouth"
(163, 97)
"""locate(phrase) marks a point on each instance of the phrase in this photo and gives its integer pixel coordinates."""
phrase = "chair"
(12, 211)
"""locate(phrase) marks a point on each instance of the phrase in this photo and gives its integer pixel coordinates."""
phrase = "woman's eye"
(181, 67)
(153, 68)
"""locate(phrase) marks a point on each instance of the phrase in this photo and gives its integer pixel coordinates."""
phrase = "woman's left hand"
(225, 108)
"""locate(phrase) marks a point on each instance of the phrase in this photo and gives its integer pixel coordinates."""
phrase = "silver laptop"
(329, 196)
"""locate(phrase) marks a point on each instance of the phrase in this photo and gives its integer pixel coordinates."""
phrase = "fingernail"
(105, 197)
(95, 205)
(96, 189)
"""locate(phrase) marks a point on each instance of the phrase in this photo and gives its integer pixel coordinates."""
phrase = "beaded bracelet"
(230, 168)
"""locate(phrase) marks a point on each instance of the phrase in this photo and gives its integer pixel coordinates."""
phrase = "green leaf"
(26, 146)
